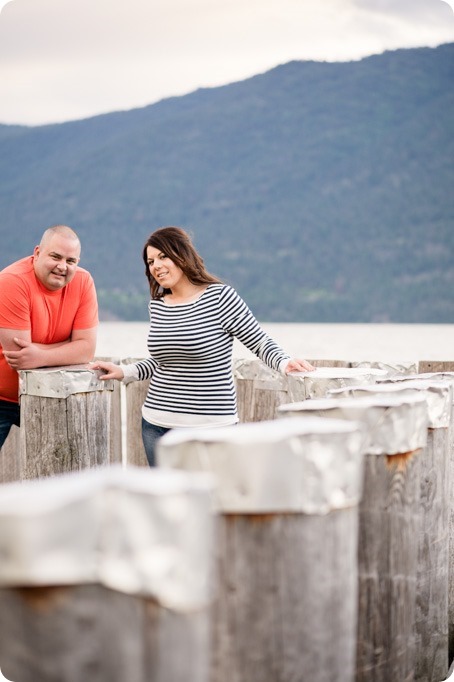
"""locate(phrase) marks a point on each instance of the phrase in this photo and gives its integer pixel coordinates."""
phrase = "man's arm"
(21, 353)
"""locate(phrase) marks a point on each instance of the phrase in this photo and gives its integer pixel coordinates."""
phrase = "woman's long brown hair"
(176, 244)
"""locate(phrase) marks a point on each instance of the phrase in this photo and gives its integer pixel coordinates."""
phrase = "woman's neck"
(185, 292)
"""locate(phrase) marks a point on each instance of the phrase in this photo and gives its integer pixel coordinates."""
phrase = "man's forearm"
(66, 353)
(75, 351)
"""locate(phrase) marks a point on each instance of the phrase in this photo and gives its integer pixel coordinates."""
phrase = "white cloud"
(2, 4)
(62, 59)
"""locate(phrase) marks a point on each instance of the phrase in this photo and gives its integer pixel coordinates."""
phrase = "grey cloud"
(414, 11)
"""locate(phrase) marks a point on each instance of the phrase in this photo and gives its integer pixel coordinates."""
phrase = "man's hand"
(29, 355)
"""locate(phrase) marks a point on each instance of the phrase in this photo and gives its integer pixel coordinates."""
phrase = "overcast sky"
(67, 59)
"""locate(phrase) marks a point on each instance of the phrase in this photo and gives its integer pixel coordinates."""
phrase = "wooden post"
(432, 587)
(10, 458)
(88, 593)
(287, 495)
(449, 377)
(136, 392)
(436, 366)
(116, 428)
(389, 518)
(261, 390)
(405, 368)
(316, 384)
(65, 420)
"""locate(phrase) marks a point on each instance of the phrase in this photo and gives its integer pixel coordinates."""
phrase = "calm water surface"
(355, 342)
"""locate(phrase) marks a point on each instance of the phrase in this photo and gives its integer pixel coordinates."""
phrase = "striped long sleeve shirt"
(190, 363)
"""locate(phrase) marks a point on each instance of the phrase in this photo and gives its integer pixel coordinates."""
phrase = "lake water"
(354, 342)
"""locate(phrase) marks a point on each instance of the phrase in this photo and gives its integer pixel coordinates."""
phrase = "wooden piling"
(448, 377)
(88, 632)
(287, 569)
(432, 588)
(10, 457)
(389, 518)
(116, 430)
(114, 604)
(425, 366)
(66, 421)
(261, 390)
(316, 384)
(136, 392)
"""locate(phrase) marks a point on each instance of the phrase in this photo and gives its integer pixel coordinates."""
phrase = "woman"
(193, 320)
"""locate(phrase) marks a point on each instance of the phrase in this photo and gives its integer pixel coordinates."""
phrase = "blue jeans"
(151, 433)
(9, 415)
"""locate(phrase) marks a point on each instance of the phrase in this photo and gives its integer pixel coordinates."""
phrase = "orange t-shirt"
(50, 315)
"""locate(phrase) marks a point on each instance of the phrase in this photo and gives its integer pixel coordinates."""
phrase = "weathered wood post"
(436, 366)
(66, 417)
(260, 390)
(432, 587)
(136, 392)
(10, 458)
(287, 494)
(402, 368)
(106, 575)
(316, 384)
(116, 411)
(449, 377)
(389, 518)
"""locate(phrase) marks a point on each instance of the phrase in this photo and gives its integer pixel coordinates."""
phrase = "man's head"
(56, 258)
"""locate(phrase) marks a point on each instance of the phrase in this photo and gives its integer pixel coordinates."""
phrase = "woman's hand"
(296, 365)
(112, 371)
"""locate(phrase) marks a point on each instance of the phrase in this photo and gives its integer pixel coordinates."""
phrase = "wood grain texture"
(116, 440)
(435, 366)
(59, 435)
(433, 555)
(10, 457)
(87, 632)
(258, 400)
(330, 363)
(115, 445)
(286, 603)
(451, 540)
(136, 392)
(389, 520)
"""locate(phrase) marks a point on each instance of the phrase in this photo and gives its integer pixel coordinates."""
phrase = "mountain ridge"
(320, 190)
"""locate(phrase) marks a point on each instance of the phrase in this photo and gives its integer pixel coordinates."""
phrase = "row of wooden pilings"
(315, 545)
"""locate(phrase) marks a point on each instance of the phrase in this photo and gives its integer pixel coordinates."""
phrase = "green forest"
(323, 192)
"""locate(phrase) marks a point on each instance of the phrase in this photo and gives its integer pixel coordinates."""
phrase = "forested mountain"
(321, 191)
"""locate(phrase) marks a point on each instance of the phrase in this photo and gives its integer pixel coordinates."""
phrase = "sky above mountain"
(70, 59)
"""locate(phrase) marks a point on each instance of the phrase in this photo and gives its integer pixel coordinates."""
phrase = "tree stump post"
(66, 421)
(449, 377)
(10, 457)
(259, 390)
(432, 588)
(116, 411)
(316, 384)
(389, 520)
(106, 575)
(136, 392)
(287, 496)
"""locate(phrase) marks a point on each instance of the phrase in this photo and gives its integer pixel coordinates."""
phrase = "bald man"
(48, 315)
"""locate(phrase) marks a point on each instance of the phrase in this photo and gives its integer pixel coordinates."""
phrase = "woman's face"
(163, 269)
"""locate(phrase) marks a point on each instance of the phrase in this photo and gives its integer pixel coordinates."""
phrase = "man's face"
(55, 261)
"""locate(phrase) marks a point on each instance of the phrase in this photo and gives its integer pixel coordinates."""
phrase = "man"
(48, 315)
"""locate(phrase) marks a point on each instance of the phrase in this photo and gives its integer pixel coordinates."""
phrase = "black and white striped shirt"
(190, 363)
